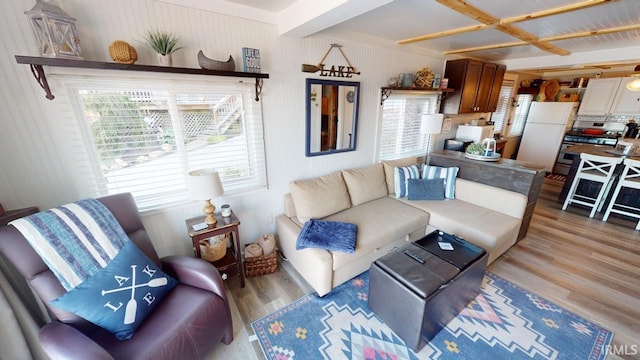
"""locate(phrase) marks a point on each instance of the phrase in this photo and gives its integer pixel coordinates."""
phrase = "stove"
(577, 136)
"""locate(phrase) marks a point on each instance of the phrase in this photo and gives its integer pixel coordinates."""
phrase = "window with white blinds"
(145, 137)
(520, 116)
(400, 133)
(499, 117)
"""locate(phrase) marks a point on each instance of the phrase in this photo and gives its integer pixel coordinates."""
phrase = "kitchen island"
(519, 176)
(589, 188)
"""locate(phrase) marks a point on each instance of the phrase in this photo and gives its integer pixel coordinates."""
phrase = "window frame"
(252, 112)
(424, 142)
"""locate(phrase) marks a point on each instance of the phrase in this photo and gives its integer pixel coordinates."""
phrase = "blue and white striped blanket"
(75, 240)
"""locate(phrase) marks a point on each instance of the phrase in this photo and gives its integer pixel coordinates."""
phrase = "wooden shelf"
(36, 64)
(386, 91)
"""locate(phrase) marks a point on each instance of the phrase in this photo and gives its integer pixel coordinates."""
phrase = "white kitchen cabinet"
(626, 102)
(609, 96)
(599, 96)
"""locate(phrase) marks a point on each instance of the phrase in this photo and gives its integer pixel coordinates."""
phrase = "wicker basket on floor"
(216, 251)
(261, 265)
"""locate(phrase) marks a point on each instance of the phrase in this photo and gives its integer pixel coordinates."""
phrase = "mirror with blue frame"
(332, 116)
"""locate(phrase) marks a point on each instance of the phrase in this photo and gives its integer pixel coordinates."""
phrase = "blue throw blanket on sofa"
(328, 235)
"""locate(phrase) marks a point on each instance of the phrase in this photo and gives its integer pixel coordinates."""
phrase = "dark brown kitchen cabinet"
(477, 86)
(495, 88)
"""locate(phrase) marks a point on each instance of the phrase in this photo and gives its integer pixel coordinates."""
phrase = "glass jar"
(225, 210)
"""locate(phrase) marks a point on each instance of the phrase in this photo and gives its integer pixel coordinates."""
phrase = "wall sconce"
(55, 31)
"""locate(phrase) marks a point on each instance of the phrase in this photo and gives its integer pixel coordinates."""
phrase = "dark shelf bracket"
(258, 88)
(41, 78)
(384, 95)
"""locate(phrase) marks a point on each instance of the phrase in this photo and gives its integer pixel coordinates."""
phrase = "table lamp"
(430, 124)
(205, 185)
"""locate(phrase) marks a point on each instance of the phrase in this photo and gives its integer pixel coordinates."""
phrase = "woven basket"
(214, 252)
(261, 265)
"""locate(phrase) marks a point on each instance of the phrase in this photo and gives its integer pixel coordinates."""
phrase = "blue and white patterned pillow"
(119, 296)
(401, 175)
(448, 174)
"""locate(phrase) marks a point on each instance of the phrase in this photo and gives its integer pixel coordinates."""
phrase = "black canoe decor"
(334, 70)
(210, 64)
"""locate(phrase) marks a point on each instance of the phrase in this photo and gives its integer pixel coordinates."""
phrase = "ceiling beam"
(546, 39)
(554, 11)
(307, 17)
(503, 25)
(493, 22)
(592, 33)
(440, 34)
(464, 8)
(485, 47)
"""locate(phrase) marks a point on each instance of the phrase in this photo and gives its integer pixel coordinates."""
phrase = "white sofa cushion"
(319, 197)
(365, 183)
(491, 230)
(390, 165)
(503, 201)
(379, 222)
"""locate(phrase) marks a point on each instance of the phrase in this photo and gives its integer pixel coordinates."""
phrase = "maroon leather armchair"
(187, 324)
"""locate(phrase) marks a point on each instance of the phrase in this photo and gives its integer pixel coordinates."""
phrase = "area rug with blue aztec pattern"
(503, 322)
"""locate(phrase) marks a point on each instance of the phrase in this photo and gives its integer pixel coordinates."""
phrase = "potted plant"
(164, 44)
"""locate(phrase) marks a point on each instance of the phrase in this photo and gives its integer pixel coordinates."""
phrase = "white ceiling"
(384, 22)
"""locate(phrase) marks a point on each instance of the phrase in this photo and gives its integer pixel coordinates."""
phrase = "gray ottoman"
(417, 289)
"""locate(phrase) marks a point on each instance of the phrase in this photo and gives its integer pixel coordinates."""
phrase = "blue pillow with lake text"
(119, 296)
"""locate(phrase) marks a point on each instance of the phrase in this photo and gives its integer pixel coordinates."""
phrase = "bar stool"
(630, 178)
(595, 168)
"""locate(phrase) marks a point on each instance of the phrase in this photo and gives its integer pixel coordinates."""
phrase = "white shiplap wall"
(37, 166)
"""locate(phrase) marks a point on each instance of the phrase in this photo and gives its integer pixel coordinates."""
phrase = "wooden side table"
(231, 263)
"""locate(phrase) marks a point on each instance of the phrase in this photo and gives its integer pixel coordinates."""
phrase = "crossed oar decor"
(335, 70)
(132, 305)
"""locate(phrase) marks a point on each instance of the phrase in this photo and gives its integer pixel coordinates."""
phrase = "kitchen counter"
(593, 150)
(519, 176)
(502, 163)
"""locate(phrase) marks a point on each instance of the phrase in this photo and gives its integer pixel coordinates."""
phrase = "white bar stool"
(595, 168)
(629, 178)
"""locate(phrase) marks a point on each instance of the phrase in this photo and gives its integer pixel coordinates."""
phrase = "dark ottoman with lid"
(417, 289)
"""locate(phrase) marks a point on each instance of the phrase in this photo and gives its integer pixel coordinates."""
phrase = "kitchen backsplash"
(611, 118)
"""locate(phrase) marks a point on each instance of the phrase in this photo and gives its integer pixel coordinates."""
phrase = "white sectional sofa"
(487, 216)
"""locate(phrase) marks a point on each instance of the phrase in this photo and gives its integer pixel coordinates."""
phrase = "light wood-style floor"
(589, 267)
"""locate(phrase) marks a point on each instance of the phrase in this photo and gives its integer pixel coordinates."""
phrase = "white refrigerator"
(544, 131)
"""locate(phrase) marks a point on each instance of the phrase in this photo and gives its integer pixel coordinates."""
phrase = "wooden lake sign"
(334, 70)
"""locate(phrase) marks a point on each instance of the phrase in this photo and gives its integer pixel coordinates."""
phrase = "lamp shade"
(431, 124)
(205, 184)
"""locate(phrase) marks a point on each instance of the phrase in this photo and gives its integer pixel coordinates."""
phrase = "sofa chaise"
(484, 215)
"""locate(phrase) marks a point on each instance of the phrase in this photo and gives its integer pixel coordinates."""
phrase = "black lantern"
(55, 31)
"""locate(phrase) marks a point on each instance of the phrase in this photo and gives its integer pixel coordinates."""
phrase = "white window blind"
(400, 134)
(520, 116)
(499, 117)
(145, 137)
